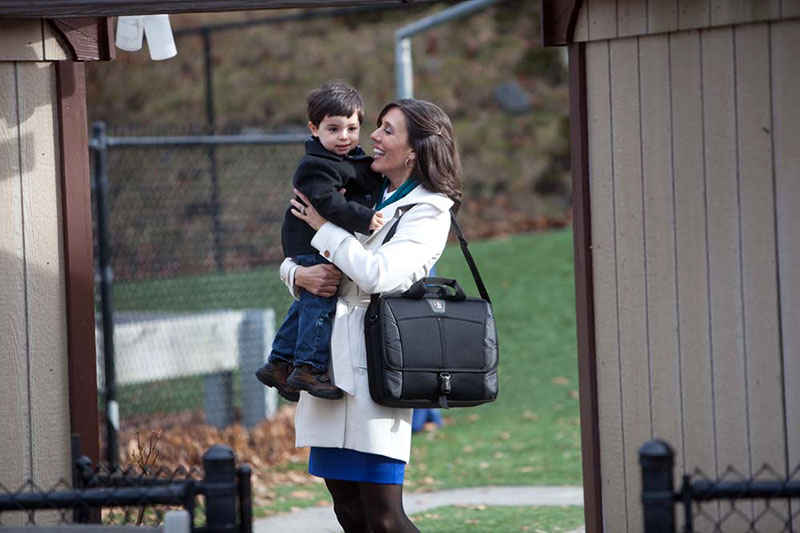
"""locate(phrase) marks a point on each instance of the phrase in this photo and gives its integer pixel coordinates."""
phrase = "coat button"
(327, 254)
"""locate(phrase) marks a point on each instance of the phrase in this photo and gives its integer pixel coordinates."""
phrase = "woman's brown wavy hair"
(430, 133)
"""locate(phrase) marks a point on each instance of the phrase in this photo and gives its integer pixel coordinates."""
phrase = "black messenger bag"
(432, 346)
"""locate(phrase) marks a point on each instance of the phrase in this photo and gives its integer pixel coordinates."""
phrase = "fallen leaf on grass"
(471, 521)
(484, 465)
(560, 381)
(302, 494)
(530, 415)
(473, 417)
(574, 394)
(468, 449)
(505, 435)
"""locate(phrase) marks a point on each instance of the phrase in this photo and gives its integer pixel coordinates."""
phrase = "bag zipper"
(444, 375)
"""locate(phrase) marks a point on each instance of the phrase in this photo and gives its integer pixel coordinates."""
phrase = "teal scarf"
(407, 186)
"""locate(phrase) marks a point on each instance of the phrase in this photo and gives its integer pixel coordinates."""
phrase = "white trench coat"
(355, 421)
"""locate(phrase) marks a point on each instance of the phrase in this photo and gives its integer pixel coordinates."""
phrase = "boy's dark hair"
(334, 99)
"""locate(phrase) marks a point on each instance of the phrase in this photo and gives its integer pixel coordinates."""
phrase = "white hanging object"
(159, 37)
(129, 33)
(156, 28)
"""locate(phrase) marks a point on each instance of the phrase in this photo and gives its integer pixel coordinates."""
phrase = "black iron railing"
(220, 500)
(775, 512)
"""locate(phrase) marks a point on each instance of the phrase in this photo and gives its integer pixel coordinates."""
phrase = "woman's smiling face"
(392, 148)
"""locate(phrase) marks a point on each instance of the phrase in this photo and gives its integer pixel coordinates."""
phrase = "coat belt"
(342, 346)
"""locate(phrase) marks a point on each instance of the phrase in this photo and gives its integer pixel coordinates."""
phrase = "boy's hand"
(377, 221)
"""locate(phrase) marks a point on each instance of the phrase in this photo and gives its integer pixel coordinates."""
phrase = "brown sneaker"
(315, 382)
(274, 375)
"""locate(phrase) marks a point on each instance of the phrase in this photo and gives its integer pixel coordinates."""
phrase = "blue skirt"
(351, 465)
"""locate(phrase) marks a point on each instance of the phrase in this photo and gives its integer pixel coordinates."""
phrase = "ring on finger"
(303, 210)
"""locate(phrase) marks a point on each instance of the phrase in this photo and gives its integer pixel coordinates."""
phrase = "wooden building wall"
(34, 403)
(694, 164)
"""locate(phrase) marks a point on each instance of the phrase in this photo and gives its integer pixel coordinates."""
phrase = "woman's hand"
(306, 212)
(319, 280)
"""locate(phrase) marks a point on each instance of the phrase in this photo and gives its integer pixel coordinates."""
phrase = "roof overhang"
(107, 8)
(558, 21)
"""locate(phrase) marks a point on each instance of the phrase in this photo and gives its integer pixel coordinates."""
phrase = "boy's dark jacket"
(319, 175)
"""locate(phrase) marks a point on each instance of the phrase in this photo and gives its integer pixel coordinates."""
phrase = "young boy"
(333, 160)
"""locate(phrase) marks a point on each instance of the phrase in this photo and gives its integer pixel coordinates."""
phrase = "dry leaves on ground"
(185, 437)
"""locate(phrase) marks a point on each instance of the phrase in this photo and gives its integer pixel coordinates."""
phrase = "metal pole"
(404, 70)
(106, 279)
(657, 458)
(404, 82)
(219, 257)
(220, 489)
(244, 475)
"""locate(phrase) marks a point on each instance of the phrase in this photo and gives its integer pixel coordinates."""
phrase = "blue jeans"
(305, 335)
(423, 416)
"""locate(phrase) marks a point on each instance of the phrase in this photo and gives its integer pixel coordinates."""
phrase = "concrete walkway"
(322, 519)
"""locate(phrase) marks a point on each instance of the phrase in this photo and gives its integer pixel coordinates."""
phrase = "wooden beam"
(558, 19)
(584, 289)
(108, 8)
(76, 200)
(88, 38)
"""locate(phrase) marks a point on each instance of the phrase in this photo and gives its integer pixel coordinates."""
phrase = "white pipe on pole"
(404, 69)
(404, 74)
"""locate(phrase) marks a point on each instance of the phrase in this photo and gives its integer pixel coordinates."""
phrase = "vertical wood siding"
(691, 248)
(631, 289)
(784, 40)
(612, 448)
(14, 429)
(760, 290)
(608, 19)
(724, 254)
(29, 40)
(694, 173)
(33, 354)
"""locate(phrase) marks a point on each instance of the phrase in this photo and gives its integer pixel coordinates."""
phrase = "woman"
(359, 447)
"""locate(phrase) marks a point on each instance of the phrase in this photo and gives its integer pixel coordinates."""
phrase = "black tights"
(369, 507)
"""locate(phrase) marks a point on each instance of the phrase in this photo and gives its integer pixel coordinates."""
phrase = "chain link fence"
(192, 225)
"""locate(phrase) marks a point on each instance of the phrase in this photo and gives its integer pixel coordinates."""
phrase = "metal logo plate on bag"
(436, 305)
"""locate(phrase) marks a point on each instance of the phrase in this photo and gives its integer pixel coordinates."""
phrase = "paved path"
(322, 519)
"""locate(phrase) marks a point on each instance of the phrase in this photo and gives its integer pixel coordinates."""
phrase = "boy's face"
(337, 134)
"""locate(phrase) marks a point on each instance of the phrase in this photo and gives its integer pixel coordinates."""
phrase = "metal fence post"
(244, 475)
(657, 458)
(219, 486)
(218, 391)
(211, 127)
(106, 278)
(255, 338)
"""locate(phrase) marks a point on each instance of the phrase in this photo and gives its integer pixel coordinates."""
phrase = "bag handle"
(473, 268)
(423, 287)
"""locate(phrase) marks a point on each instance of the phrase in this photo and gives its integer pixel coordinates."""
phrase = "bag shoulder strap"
(473, 267)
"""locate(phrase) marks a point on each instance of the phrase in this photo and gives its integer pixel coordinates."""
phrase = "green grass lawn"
(458, 519)
(529, 436)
